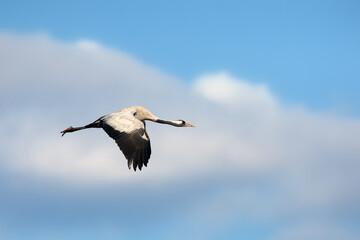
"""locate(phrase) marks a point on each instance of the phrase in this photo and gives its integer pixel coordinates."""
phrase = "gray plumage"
(127, 128)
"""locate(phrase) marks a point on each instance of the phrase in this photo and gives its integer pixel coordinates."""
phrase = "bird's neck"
(173, 123)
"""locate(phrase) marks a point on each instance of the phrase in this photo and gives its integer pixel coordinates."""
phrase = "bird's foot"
(69, 129)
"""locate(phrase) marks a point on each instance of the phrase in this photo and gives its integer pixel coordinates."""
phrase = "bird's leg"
(73, 129)
(69, 129)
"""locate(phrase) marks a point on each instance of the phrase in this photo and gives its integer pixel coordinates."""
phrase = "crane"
(127, 127)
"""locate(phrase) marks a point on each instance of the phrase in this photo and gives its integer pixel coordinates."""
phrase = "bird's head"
(182, 123)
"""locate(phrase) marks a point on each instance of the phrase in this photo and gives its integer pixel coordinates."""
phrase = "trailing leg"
(95, 124)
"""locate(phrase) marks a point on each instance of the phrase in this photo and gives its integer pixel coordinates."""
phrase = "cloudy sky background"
(272, 88)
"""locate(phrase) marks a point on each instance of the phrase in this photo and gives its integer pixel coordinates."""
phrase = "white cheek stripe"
(177, 122)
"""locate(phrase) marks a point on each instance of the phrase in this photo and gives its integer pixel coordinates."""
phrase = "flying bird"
(127, 128)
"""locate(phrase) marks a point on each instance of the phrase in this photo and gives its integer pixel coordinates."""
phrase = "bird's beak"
(188, 125)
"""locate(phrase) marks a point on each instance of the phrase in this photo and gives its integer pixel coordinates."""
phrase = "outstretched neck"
(173, 123)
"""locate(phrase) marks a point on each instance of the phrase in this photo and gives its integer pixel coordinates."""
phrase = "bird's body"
(127, 128)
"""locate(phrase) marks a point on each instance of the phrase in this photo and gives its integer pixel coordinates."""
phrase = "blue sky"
(307, 52)
(272, 87)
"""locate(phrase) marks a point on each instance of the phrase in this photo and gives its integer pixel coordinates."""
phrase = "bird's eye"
(182, 122)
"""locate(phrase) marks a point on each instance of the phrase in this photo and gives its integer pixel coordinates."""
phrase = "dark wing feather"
(131, 137)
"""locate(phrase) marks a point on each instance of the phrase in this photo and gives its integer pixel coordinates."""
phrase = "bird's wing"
(130, 135)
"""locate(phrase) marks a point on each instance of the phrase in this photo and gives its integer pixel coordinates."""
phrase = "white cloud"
(88, 45)
(265, 161)
(226, 89)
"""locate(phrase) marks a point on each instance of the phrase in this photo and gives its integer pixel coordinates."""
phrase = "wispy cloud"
(226, 89)
(251, 158)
